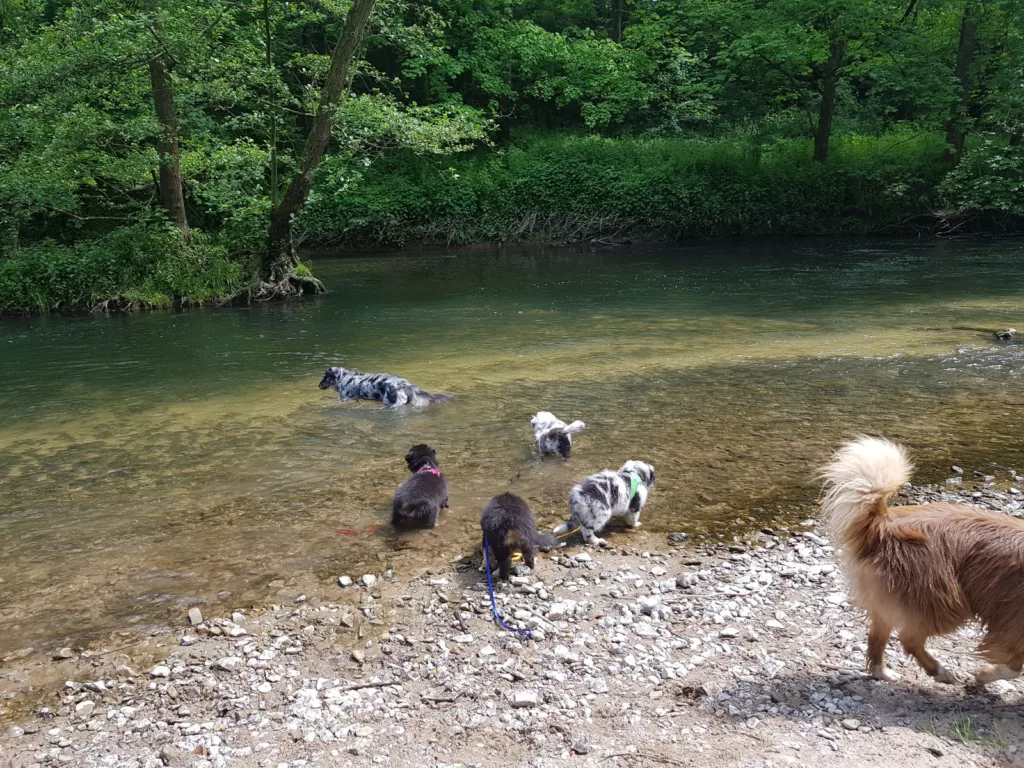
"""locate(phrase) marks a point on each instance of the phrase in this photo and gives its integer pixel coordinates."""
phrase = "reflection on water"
(151, 461)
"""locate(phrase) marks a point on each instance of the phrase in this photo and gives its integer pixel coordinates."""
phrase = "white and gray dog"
(393, 391)
(553, 435)
(605, 495)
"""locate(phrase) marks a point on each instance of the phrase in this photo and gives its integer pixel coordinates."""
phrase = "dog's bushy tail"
(544, 541)
(575, 427)
(420, 398)
(859, 479)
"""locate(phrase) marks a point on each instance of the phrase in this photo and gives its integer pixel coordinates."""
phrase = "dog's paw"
(993, 672)
(601, 542)
(885, 674)
(943, 675)
(635, 523)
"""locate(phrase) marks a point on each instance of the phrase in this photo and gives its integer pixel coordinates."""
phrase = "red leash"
(353, 532)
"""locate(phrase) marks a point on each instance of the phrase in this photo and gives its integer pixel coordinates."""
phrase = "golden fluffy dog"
(926, 569)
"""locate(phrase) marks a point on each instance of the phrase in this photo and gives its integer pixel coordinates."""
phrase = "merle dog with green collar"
(605, 495)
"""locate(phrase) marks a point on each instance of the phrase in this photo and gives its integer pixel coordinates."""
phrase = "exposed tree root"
(289, 287)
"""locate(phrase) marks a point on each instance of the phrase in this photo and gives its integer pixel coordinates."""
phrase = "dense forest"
(159, 152)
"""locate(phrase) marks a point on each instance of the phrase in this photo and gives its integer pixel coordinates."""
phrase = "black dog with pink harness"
(420, 499)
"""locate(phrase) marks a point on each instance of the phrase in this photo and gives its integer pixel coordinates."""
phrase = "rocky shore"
(706, 652)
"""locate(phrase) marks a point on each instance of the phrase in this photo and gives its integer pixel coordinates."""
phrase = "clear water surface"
(151, 461)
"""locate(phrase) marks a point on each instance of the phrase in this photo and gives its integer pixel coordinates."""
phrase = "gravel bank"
(706, 653)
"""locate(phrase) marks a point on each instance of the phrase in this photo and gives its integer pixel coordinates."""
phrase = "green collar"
(634, 483)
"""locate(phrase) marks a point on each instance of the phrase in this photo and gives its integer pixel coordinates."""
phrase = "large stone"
(160, 671)
(649, 603)
(369, 580)
(559, 610)
(344, 581)
(581, 746)
(521, 699)
(228, 664)
(195, 616)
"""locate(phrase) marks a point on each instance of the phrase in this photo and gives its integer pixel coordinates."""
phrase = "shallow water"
(151, 461)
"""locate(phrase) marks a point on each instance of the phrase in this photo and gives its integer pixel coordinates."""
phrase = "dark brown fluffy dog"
(508, 527)
(925, 570)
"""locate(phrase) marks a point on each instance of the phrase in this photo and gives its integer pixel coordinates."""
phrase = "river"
(154, 461)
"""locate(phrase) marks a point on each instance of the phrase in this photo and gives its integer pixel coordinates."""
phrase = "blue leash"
(494, 606)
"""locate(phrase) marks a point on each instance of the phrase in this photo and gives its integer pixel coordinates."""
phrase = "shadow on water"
(152, 461)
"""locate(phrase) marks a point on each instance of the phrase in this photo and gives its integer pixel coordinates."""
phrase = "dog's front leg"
(633, 518)
(591, 537)
(878, 638)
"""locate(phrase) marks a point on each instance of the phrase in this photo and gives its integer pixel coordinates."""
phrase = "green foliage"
(698, 116)
(574, 187)
(142, 265)
(989, 178)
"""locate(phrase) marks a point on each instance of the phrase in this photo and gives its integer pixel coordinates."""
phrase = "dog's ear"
(564, 445)
(650, 471)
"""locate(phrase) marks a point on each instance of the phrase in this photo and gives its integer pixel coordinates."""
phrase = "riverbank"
(701, 652)
(567, 189)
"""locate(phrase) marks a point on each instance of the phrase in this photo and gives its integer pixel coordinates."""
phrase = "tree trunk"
(956, 131)
(617, 22)
(172, 196)
(279, 260)
(826, 111)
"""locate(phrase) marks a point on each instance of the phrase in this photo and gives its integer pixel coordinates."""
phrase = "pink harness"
(430, 470)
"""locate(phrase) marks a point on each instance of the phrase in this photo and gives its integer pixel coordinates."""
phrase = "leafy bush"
(574, 187)
(143, 265)
(989, 178)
